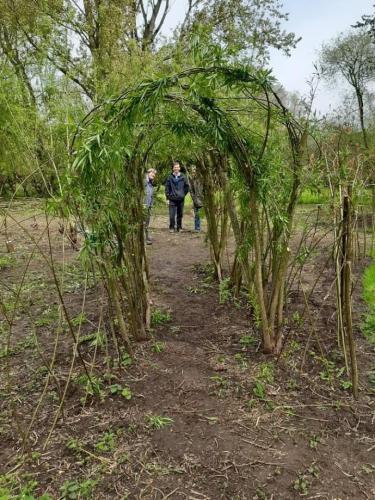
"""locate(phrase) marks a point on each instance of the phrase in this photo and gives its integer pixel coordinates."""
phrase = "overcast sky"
(316, 21)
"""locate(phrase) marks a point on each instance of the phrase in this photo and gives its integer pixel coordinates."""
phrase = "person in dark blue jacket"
(176, 188)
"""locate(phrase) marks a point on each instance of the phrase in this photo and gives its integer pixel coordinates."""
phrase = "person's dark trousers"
(197, 219)
(176, 211)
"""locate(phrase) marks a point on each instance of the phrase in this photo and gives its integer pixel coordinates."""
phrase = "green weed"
(107, 442)
(314, 441)
(158, 421)
(159, 317)
(126, 360)
(72, 490)
(224, 290)
(125, 392)
(248, 340)
(266, 372)
(93, 388)
(302, 484)
(158, 347)
(80, 319)
(259, 390)
(241, 360)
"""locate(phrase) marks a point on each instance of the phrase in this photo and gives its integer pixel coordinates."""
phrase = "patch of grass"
(80, 319)
(309, 197)
(158, 347)
(368, 326)
(6, 261)
(248, 340)
(158, 421)
(159, 317)
(47, 317)
(27, 343)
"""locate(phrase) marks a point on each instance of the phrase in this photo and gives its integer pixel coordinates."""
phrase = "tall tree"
(351, 56)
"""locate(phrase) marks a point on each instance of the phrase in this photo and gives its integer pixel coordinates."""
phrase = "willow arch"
(105, 182)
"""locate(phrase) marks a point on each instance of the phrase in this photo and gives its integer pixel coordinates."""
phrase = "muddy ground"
(200, 413)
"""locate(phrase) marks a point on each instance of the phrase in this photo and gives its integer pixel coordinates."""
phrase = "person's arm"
(167, 189)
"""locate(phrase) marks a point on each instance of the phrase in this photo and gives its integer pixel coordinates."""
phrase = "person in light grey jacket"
(149, 201)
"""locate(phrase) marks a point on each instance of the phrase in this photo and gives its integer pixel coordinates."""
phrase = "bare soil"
(237, 424)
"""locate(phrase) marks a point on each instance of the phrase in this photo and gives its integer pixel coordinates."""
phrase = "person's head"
(151, 172)
(176, 167)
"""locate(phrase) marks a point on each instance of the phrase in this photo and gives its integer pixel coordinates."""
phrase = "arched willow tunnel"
(251, 155)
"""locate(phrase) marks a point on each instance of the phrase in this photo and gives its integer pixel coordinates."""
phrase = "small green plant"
(260, 494)
(107, 442)
(302, 484)
(72, 490)
(346, 385)
(248, 340)
(292, 384)
(80, 319)
(314, 441)
(259, 390)
(328, 374)
(241, 360)
(125, 392)
(47, 317)
(255, 308)
(219, 381)
(368, 468)
(92, 386)
(158, 347)
(266, 372)
(74, 444)
(297, 319)
(313, 470)
(159, 317)
(224, 290)
(126, 360)
(158, 421)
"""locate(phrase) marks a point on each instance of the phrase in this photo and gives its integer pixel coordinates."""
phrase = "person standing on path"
(196, 192)
(149, 201)
(176, 188)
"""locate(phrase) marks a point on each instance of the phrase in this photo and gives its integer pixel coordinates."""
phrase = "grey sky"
(316, 21)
